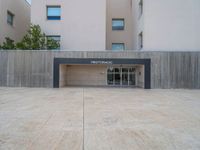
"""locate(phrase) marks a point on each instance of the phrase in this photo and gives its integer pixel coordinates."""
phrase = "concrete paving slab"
(99, 119)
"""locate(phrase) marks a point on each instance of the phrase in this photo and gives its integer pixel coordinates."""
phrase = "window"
(140, 40)
(118, 46)
(10, 18)
(56, 38)
(117, 24)
(140, 8)
(53, 12)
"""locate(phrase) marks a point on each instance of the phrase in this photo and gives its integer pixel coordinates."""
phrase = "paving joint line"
(83, 119)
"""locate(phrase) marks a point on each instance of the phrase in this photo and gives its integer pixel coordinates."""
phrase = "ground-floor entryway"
(102, 75)
(102, 72)
(99, 119)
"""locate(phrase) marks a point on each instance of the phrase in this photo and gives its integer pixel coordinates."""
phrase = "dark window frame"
(120, 28)
(121, 44)
(53, 17)
(141, 7)
(140, 36)
(52, 36)
(9, 13)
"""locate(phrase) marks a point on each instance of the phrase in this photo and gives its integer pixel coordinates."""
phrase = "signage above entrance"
(101, 62)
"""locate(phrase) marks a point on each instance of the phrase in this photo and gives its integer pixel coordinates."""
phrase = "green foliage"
(9, 44)
(35, 39)
(52, 44)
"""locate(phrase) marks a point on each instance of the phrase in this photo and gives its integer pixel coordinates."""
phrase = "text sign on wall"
(101, 62)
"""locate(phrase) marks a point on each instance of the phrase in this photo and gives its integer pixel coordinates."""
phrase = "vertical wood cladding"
(35, 68)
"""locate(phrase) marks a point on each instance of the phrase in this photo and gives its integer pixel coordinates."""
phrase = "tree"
(9, 44)
(36, 40)
(52, 44)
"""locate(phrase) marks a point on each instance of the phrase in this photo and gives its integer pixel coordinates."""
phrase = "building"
(80, 25)
(14, 19)
(126, 43)
(171, 25)
(166, 25)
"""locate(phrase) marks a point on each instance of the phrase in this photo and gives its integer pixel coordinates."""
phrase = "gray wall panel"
(35, 68)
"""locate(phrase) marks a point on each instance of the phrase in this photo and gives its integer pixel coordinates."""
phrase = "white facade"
(21, 22)
(119, 9)
(82, 25)
(168, 25)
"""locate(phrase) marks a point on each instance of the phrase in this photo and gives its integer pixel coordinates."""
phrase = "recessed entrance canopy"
(99, 61)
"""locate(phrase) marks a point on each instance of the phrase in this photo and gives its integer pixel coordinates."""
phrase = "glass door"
(110, 76)
(131, 79)
(117, 75)
(132, 76)
(121, 76)
(125, 76)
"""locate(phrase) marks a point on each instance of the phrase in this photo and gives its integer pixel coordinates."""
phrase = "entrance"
(121, 76)
(115, 74)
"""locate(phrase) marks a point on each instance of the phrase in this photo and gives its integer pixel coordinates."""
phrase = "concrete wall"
(63, 75)
(87, 75)
(82, 25)
(119, 9)
(35, 68)
(140, 76)
(168, 25)
(21, 10)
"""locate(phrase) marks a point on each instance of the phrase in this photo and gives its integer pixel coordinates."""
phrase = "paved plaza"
(78, 118)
